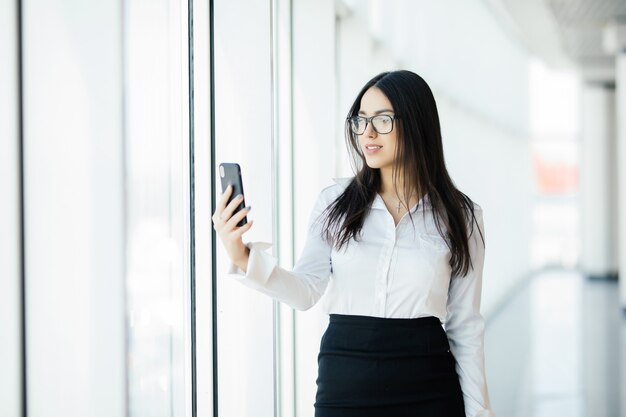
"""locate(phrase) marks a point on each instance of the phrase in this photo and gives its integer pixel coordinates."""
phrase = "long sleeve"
(300, 288)
(465, 328)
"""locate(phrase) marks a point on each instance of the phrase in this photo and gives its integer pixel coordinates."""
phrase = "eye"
(358, 122)
(382, 121)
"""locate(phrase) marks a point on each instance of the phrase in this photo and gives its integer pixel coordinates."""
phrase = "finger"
(243, 229)
(226, 221)
(225, 196)
(237, 217)
(232, 206)
(218, 214)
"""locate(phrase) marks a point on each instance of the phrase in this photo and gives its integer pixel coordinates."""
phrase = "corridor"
(558, 349)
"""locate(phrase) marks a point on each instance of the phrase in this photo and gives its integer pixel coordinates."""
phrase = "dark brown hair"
(419, 151)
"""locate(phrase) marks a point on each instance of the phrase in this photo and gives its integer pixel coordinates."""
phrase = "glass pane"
(10, 239)
(243, 135)
(158, 207)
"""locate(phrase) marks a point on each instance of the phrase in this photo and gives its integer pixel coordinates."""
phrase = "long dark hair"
(419, 155)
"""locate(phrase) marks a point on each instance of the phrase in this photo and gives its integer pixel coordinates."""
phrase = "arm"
(300, 288)
(465, 328)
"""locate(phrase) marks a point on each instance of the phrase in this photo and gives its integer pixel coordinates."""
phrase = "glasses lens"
(383, 124)
(357, 124)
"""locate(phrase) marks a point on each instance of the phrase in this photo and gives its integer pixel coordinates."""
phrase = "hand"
(225, 224)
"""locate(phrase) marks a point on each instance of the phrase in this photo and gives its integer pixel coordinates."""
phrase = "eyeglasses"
(382, 124)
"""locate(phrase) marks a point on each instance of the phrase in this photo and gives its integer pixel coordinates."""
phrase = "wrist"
(242, 262)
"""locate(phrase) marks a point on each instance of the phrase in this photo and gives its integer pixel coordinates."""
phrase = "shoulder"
(478, 212)
(469, 202)
(473, 216)
(342, 182)
(477, 220)
(330, 192)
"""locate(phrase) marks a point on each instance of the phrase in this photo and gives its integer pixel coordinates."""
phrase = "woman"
(389, 283)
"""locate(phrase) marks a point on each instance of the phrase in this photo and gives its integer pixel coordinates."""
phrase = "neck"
(388, 186)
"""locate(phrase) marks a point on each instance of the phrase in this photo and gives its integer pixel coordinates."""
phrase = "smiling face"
(374, 103)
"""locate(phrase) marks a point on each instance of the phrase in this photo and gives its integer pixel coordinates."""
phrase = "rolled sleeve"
(465, 327)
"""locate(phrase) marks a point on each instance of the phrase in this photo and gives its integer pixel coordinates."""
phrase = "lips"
(371, 151)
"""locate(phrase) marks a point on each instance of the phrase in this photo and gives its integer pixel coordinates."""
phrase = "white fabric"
(393, 272)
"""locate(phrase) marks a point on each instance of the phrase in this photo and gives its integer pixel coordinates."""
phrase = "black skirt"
(384, 367)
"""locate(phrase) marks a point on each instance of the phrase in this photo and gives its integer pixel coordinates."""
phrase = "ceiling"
(565, 33)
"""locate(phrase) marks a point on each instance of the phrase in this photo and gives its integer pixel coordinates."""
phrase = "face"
(374, 103)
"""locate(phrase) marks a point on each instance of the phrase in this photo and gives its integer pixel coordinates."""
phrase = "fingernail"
(239, 197)
(248, 208)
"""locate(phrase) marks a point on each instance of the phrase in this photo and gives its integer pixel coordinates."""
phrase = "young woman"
(389, 282)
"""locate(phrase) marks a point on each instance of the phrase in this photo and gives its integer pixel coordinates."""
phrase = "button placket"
(382, 282)
(392, 248)
(378, 301)
(392, 267)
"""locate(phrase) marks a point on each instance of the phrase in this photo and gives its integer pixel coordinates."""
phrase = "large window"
(158, 208)
(243, 134)
(10, 217)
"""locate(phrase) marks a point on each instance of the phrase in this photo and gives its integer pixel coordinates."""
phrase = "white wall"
(597, 181)
(459, 48)
(494, 170)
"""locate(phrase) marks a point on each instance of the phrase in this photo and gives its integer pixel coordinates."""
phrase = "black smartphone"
(230, 173)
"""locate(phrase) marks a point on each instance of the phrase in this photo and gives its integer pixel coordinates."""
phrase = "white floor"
(558, 348)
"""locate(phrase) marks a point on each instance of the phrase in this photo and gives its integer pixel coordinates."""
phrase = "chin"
(373, 165)
(374, 162)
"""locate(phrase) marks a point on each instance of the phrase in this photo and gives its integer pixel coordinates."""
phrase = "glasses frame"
(368, 120)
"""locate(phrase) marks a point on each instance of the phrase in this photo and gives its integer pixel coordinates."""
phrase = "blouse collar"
(378, 200)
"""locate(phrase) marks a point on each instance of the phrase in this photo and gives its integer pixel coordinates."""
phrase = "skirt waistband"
(382, 321)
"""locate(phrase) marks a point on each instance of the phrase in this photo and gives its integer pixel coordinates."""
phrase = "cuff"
(260, 264)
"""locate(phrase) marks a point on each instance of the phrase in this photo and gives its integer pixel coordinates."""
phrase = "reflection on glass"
(157, 208)
(245, 345)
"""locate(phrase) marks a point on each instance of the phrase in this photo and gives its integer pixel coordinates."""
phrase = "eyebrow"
(377, 111)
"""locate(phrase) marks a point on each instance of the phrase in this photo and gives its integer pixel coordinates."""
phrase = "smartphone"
(230, 173)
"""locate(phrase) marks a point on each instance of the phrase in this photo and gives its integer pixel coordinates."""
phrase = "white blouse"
(392, 271)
